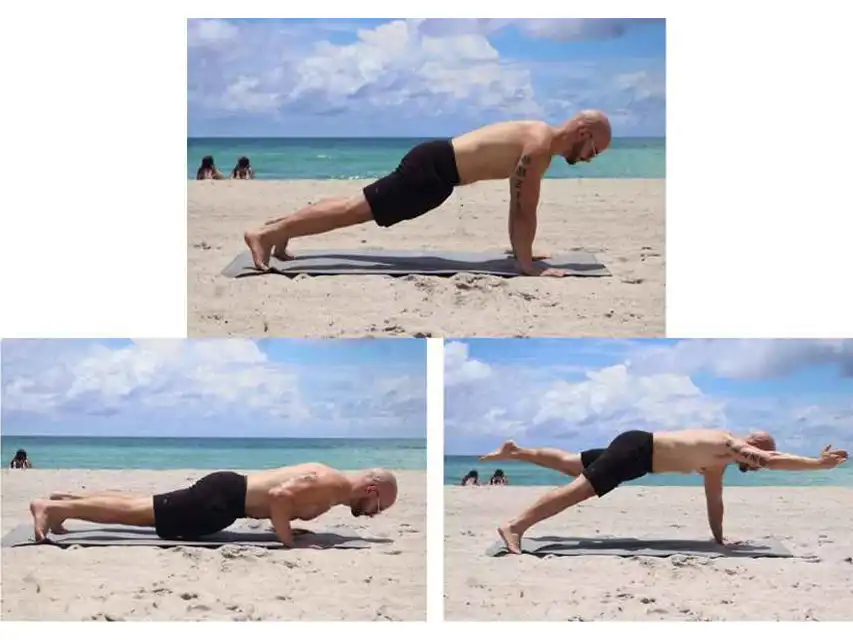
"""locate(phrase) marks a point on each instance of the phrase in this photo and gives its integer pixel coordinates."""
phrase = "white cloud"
(167, 373)
(393, 64)
(459, 369)
(614, 397)
(247, 94)
(745, 359)
(195, 379)
(210, 33)
(653, 391)
(560, 29)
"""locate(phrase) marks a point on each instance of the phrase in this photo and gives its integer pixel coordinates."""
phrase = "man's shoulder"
(539, 133)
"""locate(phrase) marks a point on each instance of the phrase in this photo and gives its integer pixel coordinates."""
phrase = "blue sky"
(271, 388)
(580, 393)
(420, 77)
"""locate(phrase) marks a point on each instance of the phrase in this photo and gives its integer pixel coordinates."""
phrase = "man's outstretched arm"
(757, 458)
(714, 502)
(525, 185)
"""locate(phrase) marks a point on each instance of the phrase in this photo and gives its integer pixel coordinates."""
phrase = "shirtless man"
(634, 454)
(216, 501)
(520, 150)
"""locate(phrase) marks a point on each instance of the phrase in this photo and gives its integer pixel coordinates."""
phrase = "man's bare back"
(692, 450)
(320, 489)
(493, 152)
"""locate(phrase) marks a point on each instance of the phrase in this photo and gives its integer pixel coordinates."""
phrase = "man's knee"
(570, 464)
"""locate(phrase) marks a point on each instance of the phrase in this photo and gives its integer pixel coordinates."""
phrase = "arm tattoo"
(518, 180)
(748, 454)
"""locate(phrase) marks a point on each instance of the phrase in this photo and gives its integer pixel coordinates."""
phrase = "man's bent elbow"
(278, 494)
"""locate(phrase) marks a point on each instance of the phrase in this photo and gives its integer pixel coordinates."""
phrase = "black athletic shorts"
(628, 457)
(210, 505)
(424, 179)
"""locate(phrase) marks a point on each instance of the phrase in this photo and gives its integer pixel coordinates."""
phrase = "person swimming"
(499, 477)
(472, 477)
(243, 170)
(20, 461)
(208, 170)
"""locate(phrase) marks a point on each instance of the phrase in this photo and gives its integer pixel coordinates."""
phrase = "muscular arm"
(755, 457)
(714, 502)
(525, 184)
(283, 500)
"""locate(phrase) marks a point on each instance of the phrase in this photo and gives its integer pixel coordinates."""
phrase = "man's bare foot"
(506, 451)
(58, 529)
(261, 251)
(63, 495)
(281, 253)
(511, 538)
(41, 523)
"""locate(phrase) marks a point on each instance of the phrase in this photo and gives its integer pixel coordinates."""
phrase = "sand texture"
(384, 582)
(810, 522)
(621, 221)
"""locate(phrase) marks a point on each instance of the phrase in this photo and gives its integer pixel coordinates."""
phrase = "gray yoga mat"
(400, 263)
(631, 547)
(117, 535)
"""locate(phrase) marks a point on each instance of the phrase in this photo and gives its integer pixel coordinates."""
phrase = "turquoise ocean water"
(214, 453)
(455, 468)
(368, 158)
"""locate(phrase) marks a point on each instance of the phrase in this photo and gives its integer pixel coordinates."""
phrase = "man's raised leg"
(562, 461)
(321, 217)
(547, 506)
(48, 515)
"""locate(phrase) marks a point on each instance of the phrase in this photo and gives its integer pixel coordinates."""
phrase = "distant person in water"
(517, 151)
(20, 461)
(243, 170)
(471, 478)
(208, 170)
(499, 477)
(634, 454)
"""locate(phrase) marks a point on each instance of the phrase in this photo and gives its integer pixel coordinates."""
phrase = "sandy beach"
(384, 582)
(808, 521)
(622, 221)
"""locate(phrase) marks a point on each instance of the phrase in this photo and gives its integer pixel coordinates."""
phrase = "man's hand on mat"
(831, 458)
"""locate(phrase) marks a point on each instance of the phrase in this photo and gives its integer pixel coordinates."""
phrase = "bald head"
(761, 440)
(593, 118)
(374, 491)
(585, 135)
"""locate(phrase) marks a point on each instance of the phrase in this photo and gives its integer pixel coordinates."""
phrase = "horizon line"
(246, 437)
(428, 137)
